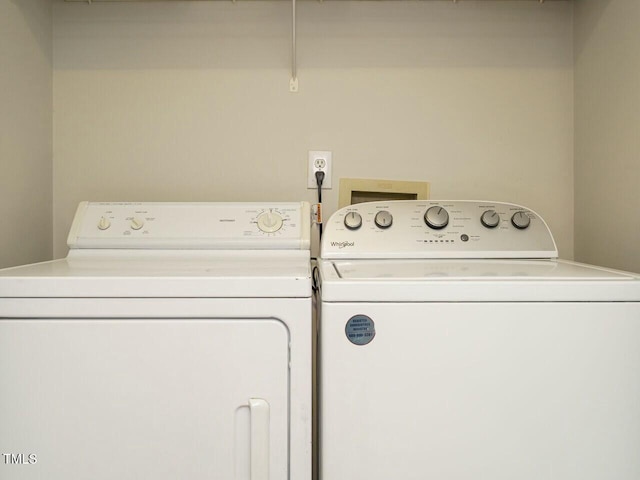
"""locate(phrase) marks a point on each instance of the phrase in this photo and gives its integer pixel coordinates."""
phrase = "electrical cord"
(315, 279)
(319, 180)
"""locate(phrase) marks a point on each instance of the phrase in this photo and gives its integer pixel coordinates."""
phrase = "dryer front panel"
(465, 391)
(144, 399)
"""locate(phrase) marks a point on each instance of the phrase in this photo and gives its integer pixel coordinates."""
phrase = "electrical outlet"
(319, 161)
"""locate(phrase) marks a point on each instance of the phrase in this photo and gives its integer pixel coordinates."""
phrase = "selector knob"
(490, 219)
(269, 222)
(353, 220)
(136, 224)
(383, 219)
(104, 223)
(520, 220)
(436, 218)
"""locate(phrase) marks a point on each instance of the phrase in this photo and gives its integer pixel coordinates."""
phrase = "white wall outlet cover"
(319, 160)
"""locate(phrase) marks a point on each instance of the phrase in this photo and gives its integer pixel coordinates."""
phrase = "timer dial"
(436, 218)
(490, 219)
(383, 219)
(269, 222)
(520, 220)
(353, 220)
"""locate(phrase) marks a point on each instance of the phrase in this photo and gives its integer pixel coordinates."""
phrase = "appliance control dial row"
(353, 220)
(436, 218)
(135, 223)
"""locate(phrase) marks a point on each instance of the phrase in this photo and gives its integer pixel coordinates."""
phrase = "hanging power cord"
(315, 273)
(315, 279)
(319, 180)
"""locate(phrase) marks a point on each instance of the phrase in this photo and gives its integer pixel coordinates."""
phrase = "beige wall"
(189, 101)
(25, 131)
(607, 141)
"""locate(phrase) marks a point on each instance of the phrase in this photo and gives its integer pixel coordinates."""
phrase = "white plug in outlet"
(319, 161)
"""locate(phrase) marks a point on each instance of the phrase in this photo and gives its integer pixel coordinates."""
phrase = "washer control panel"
(437, 229)
(191, 225)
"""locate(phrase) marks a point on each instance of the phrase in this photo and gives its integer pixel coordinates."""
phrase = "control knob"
(436, 218)
(490, 219)
(136, 224)
(520, 220)
(383, 219)
(269, 222)
(104, 223)
(353, 220)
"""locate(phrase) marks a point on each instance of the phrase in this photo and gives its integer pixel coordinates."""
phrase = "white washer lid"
(473, 280)
(163, 274)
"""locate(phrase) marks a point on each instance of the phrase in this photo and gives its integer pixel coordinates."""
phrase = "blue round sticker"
(360, 330)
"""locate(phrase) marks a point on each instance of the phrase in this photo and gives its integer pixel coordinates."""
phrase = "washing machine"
(173, 342)
(455, 345)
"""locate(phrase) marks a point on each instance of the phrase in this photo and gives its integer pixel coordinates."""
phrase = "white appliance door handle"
(260, 416)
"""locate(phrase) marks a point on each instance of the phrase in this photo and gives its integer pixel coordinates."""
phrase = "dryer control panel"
(146, 225)
(437, 229)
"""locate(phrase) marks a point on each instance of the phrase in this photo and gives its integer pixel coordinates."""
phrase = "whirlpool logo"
(342, 244)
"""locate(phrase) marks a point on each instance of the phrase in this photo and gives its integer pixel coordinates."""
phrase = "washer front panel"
(481, 390)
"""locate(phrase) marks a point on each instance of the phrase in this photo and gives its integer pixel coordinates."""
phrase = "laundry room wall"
(607, 139)
(190, 101)
(25, 131)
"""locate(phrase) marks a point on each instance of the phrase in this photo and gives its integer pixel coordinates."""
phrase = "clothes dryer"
(173, 342)
(455, 345)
